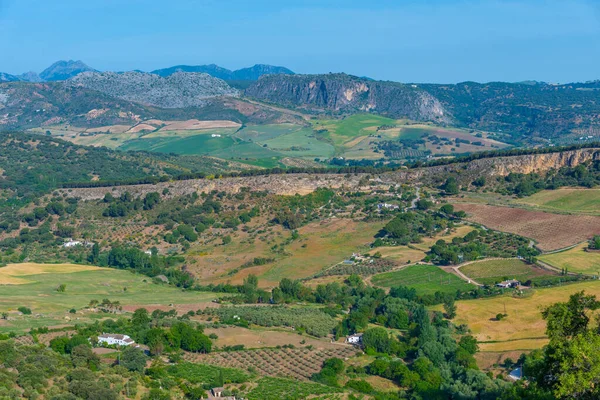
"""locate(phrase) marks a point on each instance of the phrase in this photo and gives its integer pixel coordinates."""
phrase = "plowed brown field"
(550, 231)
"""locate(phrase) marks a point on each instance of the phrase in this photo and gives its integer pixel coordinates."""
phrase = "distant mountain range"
(64, 70)
(244, 74)
(532, 111)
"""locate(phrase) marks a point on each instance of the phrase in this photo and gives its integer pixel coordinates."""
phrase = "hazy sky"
(409, 41)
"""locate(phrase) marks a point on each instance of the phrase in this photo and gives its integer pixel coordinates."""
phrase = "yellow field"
(575, 260)
(10, 274)
(524, 327)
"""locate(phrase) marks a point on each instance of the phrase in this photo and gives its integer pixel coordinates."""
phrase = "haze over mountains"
(528, 111)
(63, 70)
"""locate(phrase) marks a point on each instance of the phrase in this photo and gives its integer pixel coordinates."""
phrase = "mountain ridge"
(179, 90)
(248, 73)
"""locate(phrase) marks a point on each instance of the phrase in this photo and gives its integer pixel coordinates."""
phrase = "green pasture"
(493, 271)
(50, 307)
(262, 133)
(426, 279)
(583, 201)
(197, 144)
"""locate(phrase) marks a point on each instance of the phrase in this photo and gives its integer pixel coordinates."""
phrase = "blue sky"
(408, 41)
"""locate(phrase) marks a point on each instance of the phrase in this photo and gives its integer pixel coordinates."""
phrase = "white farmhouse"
(72, 243)
(112, 339)
(355, 339)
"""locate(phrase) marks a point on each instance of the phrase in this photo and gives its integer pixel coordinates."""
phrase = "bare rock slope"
(180, 90)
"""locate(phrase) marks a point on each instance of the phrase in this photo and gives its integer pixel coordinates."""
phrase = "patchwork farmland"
(549, 231)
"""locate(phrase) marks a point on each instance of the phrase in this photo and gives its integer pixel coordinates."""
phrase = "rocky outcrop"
(180, 90)
(346, 93)
(291, 184)
(275, 184)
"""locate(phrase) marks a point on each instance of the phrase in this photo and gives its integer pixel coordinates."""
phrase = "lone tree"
(450, 308)
(133, 359)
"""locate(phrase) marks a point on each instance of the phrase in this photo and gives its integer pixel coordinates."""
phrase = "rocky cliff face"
(541, 163)
(345, 93)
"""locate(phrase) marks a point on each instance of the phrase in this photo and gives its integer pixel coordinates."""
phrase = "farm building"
(387, 206)
(355, 339)
(217, 393)
(512, 283)
(73, 243)
(112, 339)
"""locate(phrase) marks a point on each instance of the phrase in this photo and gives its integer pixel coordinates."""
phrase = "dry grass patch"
(10, 274)
(575, 260)
(401, 254)
(257, 338)
(524, 327)
(550, 231)
(427, 242)
(487, 360)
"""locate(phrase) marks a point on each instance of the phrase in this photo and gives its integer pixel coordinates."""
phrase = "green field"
(426, 279)
(196, 144)
(36, 289)
(279, 388)
(493, 271)
(575, 260)
(301, 143)
(355, 125)
(584, 201)
(261, 133)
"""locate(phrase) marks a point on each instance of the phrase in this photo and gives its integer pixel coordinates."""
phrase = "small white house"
(112, 339)
(355, 339)
(73, 243)
(512, 283)
(387, 206)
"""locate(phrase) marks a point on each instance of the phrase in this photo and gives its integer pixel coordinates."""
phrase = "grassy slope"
(575, 260)
(581, 201)
(426, 279)
(38, 292)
